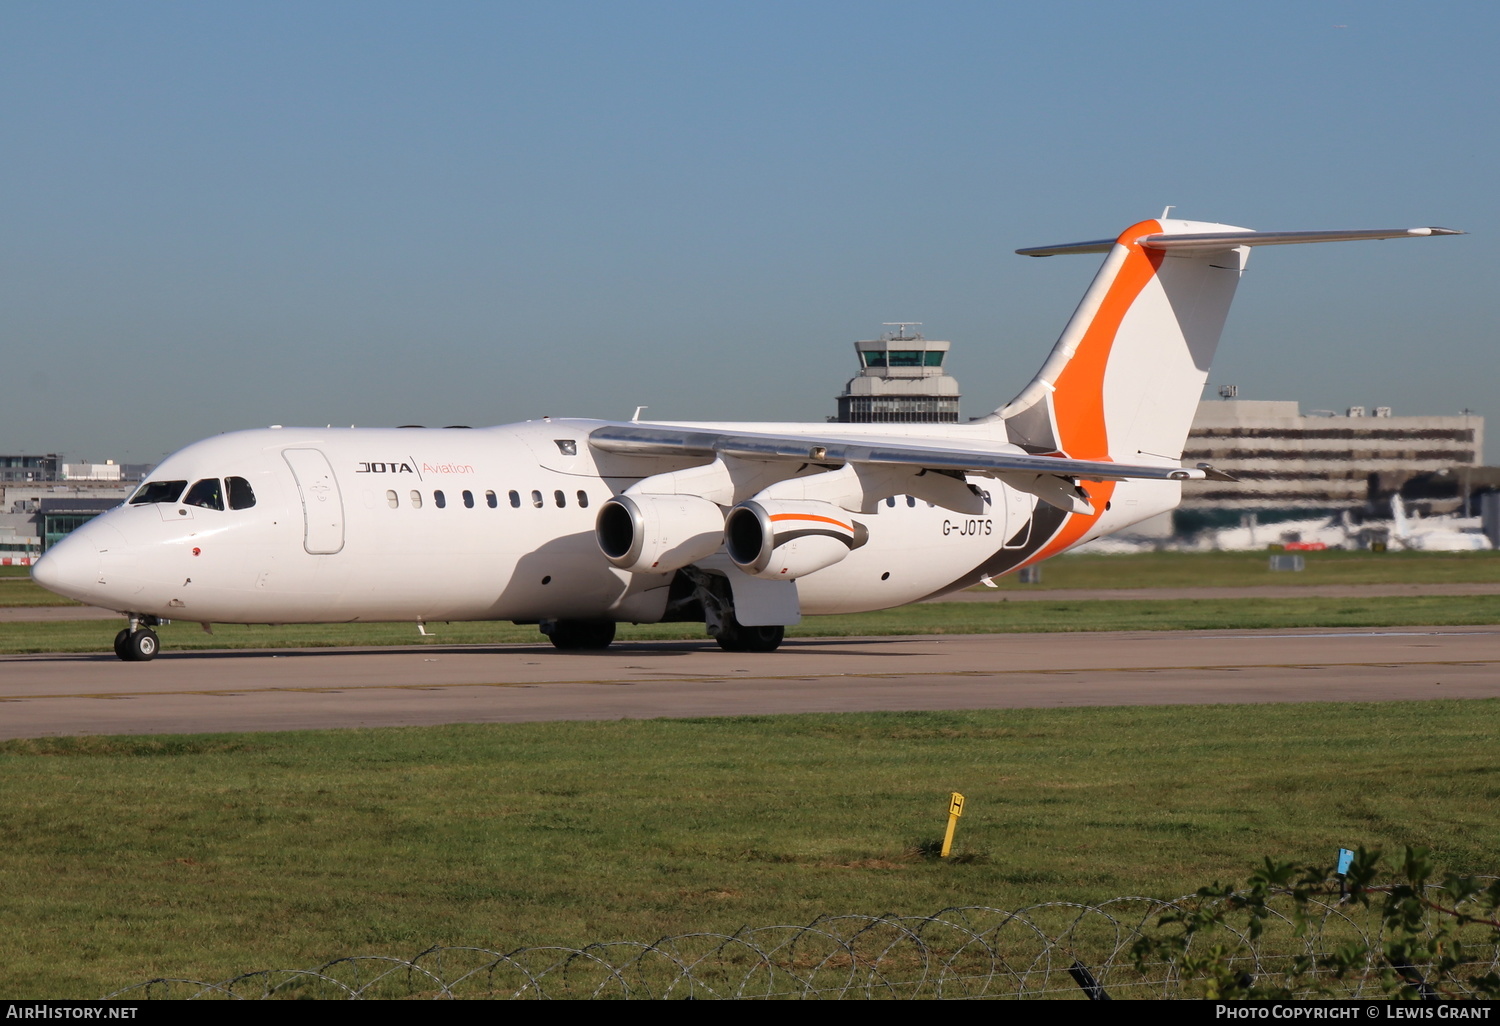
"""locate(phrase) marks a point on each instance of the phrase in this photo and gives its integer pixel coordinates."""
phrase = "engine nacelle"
(656, 533)
(782, 540)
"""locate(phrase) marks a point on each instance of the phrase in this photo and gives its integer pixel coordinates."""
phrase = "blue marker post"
(1346, 858)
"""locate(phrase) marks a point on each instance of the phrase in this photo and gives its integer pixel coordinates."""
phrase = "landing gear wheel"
(734, 637)
(141, 646)
(582, 635)
(120, 641)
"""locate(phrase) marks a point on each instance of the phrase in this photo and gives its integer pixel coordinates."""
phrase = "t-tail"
(1124, 380)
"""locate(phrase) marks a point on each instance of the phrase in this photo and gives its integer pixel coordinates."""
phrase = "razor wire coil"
(960, 953)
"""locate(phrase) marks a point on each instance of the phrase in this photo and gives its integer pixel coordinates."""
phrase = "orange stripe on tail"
(1078, 402)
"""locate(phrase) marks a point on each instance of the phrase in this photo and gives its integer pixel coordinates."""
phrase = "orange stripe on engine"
(1079, 400)
(811, 516)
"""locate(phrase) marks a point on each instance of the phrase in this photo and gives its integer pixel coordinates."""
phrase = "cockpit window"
(158, 491)
(206, 493)
(241, 495)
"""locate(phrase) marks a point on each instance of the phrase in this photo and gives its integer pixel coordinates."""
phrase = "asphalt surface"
(196, 692)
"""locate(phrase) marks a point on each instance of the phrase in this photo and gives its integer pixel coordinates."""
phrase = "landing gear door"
(759, 603)
(322, 506)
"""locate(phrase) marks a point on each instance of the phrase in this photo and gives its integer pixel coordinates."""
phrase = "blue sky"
(221, 215)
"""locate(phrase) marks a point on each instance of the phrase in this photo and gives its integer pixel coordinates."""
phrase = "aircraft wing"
(668, 440)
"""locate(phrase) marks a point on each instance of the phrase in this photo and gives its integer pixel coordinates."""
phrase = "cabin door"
(322, 506)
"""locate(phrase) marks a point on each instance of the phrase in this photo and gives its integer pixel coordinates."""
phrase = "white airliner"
(1436, 534)
(576, 525)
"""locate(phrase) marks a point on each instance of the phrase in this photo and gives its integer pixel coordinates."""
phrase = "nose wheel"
(137, 646)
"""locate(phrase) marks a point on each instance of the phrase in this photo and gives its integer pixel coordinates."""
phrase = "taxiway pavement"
(298, 689)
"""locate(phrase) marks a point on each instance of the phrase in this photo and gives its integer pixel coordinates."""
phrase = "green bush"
(1438, 936)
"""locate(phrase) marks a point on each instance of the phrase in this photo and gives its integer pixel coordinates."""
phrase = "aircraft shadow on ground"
(806, 646)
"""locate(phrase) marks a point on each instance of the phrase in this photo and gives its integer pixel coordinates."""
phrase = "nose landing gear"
(138, 643)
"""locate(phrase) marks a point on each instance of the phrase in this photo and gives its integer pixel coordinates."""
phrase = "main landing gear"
(579, 635)
(735, 637)
(138, 643)
(596, 635)
(697, 594)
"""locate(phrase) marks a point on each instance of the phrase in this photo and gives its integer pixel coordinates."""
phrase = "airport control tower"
(900, 381)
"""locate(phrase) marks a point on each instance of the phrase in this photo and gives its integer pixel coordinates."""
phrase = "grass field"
(203, 856)
(17, 589)
(1249, 569)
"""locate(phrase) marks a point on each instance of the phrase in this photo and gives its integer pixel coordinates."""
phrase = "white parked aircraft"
(1436, 534)
(576, 525)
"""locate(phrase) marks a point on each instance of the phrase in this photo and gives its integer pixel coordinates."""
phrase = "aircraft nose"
(71, 567)
(66, 565)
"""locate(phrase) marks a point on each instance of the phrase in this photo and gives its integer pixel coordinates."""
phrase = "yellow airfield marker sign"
(955, 809)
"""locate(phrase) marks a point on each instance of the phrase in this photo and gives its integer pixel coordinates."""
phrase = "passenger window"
(416, 499)
(392, 500)
(438, 499)
(206, 493)
(911, 500)
(468, 499)
(158, 491)
(536, 499)
(890, 500)
(583, 498)
(560, 498)
(515, 499)
(241, 495)
(490, 500)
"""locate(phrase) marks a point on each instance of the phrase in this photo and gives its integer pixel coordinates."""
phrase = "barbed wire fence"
(1309, 947)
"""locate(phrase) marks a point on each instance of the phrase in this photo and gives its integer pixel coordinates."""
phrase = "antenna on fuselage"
(637, 418)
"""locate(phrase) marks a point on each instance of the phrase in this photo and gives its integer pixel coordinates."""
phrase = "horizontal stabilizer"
(1210, 241)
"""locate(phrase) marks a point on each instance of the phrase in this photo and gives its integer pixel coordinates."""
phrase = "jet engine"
(658, 533)
(781, 540)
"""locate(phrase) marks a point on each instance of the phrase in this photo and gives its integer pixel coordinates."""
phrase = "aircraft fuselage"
(483, 524)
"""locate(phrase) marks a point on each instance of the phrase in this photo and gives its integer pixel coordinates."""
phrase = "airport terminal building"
(1284, 459)
(43, 499)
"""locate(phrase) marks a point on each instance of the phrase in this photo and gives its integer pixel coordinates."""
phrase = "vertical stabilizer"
(1125, 377)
